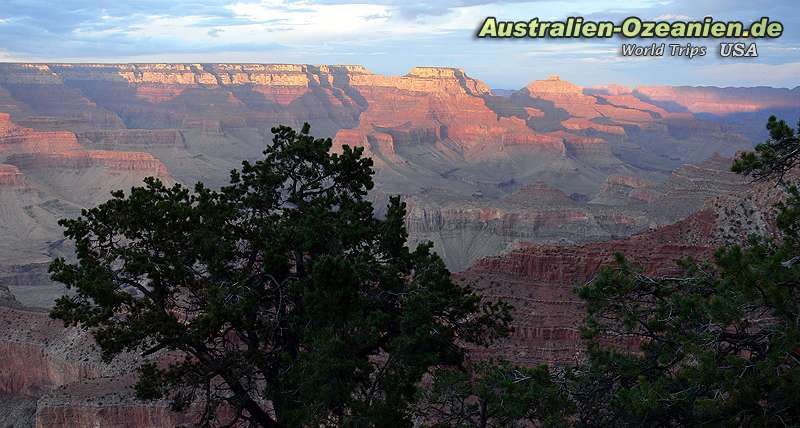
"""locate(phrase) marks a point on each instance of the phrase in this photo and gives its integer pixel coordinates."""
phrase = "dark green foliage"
(280, 296)
(773, 158)
(717, 346)
(494, 394)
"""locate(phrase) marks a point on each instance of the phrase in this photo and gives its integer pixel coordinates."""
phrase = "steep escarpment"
(438, 137)
(40, 95)
(199, 119)
(465, 229)
(29, 149)
(125, 139)
(457, 152)
(721, 101)
(78, 159)
(741, 110)
(10, 175)
(49, 175)
(41, 356)
(437, 116)
(641, 132)
(556, 176)
(53, 376)
(19, 139)
(222, 96)
(539, 280)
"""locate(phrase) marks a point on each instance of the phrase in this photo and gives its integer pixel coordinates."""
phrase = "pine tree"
(280, 296)
(719, 345)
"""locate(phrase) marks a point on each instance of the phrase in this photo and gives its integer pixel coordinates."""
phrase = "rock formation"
(10, 175)
(539, 280)
(721, 101)
(439, 137)
(54, 377)
(49, 175)
(556, 175)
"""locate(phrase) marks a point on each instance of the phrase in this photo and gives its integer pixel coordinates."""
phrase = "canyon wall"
(440, 138)
(49, 175)
(53, 376)
(554, 175)
(739, 109)
(539, 280)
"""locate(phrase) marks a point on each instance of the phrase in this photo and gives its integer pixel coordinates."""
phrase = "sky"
(392, 36)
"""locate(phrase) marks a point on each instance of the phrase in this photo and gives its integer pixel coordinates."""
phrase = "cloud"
(307, 21)
(671, 17)
(6, 56)
(389, 36)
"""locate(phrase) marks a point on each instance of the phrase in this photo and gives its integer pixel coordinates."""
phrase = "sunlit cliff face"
(437, 136)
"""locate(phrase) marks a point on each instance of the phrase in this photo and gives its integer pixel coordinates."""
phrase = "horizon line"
(797, 87)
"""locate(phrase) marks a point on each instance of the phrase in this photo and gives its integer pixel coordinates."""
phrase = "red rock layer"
(127, 161)
(540, 194)
(17, 139)
(123, 161)
(723, 101)
(133, 138)
(62, 369)
(26, 148)
(43, 92)
(39, 355)
(629, 101)
(430, 105)
(213, 97)
(539, 282)
(581, 124)
(10, 175)
(502, 222)
(586, 111)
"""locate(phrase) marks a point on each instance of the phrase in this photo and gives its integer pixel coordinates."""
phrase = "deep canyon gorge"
(524, 193)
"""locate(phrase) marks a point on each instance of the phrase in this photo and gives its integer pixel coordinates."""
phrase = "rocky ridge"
(54, 377)
(539, 280)
(541, 172)
(438, 137)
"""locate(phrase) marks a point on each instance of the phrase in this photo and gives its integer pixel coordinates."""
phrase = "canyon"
(480, 171)
(524, 193)
(540, 280)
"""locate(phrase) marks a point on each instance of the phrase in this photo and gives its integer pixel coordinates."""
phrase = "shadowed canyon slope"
(543, 173)
(550, 163)
(54, 377)
(540, 280)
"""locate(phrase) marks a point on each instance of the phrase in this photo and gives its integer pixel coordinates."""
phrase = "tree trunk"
(484, 415)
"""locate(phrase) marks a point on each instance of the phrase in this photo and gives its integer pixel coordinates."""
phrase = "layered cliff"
(53, 376)
(19, 139)
(722, 101)
(41, 356)
(741, 110)
(554, 174)
(539, 280)
(10, 175)
(437, 136)
(49, 175)
(465, 229)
